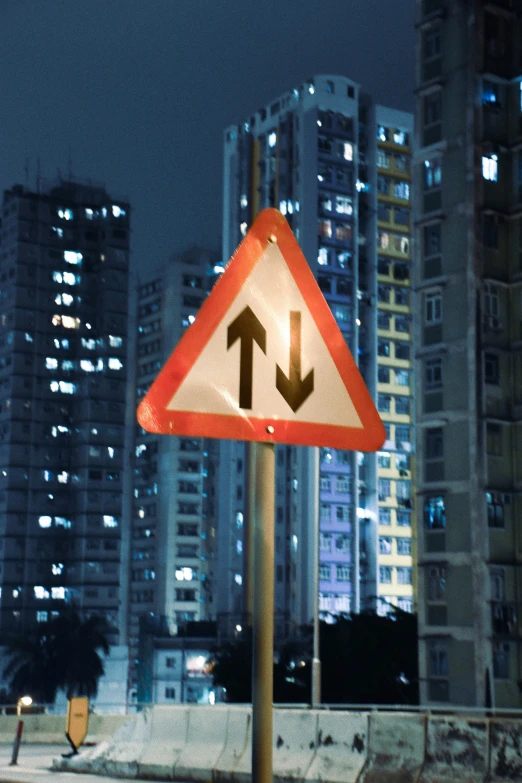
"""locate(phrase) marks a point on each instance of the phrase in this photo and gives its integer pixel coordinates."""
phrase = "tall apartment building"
(173, 534)
(64, 437)
(338, 167)
(467, 318)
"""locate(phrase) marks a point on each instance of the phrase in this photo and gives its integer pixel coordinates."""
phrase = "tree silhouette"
(61, 654)
(365, 659)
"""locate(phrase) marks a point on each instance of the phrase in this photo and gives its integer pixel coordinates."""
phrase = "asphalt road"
(34, 766)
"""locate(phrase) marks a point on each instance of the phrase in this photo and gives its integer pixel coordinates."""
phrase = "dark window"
(432, 242)
(494, 439)
(434, 443)
(433, 374)
(495, 508)
(491, 369)
(383, 347)
(383, 374)
(402, 350)
(490, 231)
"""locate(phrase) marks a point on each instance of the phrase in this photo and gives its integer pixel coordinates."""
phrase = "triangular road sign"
(264, 359)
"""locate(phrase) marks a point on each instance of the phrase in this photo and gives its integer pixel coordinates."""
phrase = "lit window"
(86, 365)
(69, 322)
(490, 93)
(311, 88)
(54, 386)
(347, 150)
(65, 214)
(243, 201)
(69, 278)
(89, 213)
(238, 579)
(62, 522)
(115, 342)
(115, 364)
(57, 231)
(243, 228)
(344, 205)
(432, 173)
(72, 257)
(57, 277)
(282, 207)
(40, 592)
(383, 133)
(272, 138)
(57, 568)
(104, 212)
(67, 364)
(58, 593)
(45, 521)
(51, 364)
(109, 521)
(63, 477)
(42, 617)
(67, 300)
(90, 344)
(118, 211)
(400, 137)
(490, 167)
(28, 337)
(322, 256)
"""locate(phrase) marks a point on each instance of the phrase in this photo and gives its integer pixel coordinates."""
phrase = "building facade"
(468, 300)
(173, 530)
(338, 167)
(64, 431)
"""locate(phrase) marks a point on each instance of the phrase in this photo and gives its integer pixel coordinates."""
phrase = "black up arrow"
(247, 328)
(294, 390)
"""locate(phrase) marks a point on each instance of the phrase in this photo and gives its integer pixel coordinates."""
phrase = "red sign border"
(152, 412)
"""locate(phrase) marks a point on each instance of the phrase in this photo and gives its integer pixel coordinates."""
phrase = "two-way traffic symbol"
(264, 359)
(248, 329)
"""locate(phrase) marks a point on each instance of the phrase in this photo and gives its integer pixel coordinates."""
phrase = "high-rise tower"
(468, 315)
(338, 166)
(64, 268)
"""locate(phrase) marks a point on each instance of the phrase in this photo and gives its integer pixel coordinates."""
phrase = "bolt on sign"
(265, 360)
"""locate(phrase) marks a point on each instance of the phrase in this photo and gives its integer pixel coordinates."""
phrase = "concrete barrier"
(50, 729)
(456, 750)
(235, 761)
(206, 735)
(167, 740)
(117, 756)
(395, 748)
(505, 750)
(341, 747)
(294, 743)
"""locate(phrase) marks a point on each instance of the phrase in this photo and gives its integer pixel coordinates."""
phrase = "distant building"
(338, 166)
(64, 431)
(177, 670)
(468, 315)
(173, 535)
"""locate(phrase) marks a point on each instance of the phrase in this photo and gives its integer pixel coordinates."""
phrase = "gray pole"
(263, 619)
(249, 532)
(316, 660)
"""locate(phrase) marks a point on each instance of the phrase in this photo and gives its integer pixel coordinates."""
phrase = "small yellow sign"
(77, 721)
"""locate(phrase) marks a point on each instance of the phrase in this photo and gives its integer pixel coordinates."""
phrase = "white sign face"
(267, 358)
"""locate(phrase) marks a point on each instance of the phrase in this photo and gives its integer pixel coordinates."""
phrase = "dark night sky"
(140, 90)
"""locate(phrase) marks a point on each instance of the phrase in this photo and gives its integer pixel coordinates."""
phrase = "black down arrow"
(294, 389)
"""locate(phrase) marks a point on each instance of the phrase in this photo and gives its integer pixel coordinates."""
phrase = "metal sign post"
(263, 617)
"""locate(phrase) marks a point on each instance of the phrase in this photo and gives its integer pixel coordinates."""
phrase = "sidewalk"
(34, 766)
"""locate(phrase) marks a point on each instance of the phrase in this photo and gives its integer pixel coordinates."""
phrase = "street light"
(23, 701)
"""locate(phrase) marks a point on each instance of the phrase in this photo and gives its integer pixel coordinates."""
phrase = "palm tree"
(61, 654)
